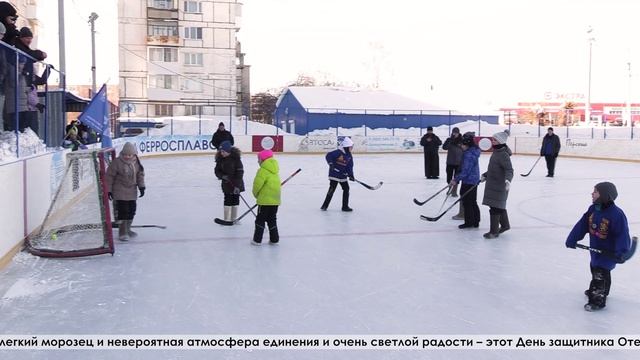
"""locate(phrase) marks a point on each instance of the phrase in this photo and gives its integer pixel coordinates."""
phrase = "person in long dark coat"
(498, 176)
(453, 145)
(431, 142)
(221, 135)
(550, 149)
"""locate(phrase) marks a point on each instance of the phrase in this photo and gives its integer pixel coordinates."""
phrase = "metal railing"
(16, 84)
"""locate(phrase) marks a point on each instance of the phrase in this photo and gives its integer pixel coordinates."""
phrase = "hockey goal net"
(78, 222)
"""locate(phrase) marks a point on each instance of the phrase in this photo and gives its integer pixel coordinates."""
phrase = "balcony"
(162, 9)
(163, 33)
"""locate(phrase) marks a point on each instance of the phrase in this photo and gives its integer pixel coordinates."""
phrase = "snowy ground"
(378, 270)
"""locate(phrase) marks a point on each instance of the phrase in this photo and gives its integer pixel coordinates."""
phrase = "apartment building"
(181, 58)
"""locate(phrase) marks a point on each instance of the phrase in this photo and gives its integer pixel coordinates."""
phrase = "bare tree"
(263, 105)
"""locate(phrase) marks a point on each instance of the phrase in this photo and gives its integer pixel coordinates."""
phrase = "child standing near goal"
(125, 176)
(608, 231)
(266, 189)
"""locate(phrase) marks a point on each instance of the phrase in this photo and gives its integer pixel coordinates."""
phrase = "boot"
(460, 215)
(227, 213)
(454, 191)
(130, 232)
(345, 201)
(122, 231)
(274, 237)
(234, 213)
(504, 222)
(493, 230)
(257, 235)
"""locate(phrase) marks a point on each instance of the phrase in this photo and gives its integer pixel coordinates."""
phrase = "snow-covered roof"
(353, 100)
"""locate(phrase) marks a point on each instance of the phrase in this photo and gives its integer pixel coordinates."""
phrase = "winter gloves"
(142, 189)
(507, 185)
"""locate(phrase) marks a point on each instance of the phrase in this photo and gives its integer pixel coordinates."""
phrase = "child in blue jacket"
(608, 231)
(340, 170)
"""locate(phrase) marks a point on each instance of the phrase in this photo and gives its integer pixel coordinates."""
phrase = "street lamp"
(587, 108)
(92, 19)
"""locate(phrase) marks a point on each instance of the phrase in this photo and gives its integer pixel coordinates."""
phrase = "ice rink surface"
(377, 270)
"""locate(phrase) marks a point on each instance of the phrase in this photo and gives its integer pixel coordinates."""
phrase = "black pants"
(496, 211)
(431, 165)
(266, 214)
(452, 170)
(470, 204)
(125, 209)
(332, 188)
(599, 286)
(551, 164)
(231, 199)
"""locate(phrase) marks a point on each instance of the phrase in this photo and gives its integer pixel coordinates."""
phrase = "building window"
(163, 110)
(192, 7)
(192, 109)
(193, 59)
(163, 29)
(160, 4)
(193, 33)
(191, 85)
(163, 81)
(163, 54)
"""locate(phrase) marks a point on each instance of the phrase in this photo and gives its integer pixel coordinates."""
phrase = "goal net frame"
(48, 232)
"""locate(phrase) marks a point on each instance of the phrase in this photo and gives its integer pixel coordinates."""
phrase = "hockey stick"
(620, 260)
(534, 165)
(115, 225)
(369, 186)
(420, 203)
(446, 198)
(427, 218)
(229, 223)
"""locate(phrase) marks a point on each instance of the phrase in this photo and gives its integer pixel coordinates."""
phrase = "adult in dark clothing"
(498, 176)
(469, 177)
(220, 136)
(230, 170)
(550, 149)
(431, 142)
(8, 17)
(454, 157)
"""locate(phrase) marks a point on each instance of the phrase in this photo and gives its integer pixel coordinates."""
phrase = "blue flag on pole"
(96, 116)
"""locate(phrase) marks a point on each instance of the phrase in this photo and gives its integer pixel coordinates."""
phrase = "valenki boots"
(130, 232)
(504, 222)
(227, 213)
(494, 227)
(122, 231)
(460, 215)
(234, 213)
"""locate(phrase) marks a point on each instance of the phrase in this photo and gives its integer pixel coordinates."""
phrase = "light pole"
(587, 107)
(92, 19)
(629, 117)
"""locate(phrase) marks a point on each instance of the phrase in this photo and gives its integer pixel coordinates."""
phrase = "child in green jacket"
(266, 189)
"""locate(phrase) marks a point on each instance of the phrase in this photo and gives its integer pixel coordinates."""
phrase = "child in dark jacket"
(469, 176)
(608, 231)
(340, 170)
(230, 170)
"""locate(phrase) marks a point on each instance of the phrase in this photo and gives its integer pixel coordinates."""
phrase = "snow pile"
(29, 142)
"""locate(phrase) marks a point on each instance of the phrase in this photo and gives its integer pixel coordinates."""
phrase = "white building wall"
(213, 83)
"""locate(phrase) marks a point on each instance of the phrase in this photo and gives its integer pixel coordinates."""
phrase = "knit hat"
(455, 130)
(264, 155)
(221, 124)
(429, 128)
(608, 192)
(501, 137)
(128, 149)
(225, 146)
(25, 32)
(468, 138)
(346, 142)
(6, 9)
